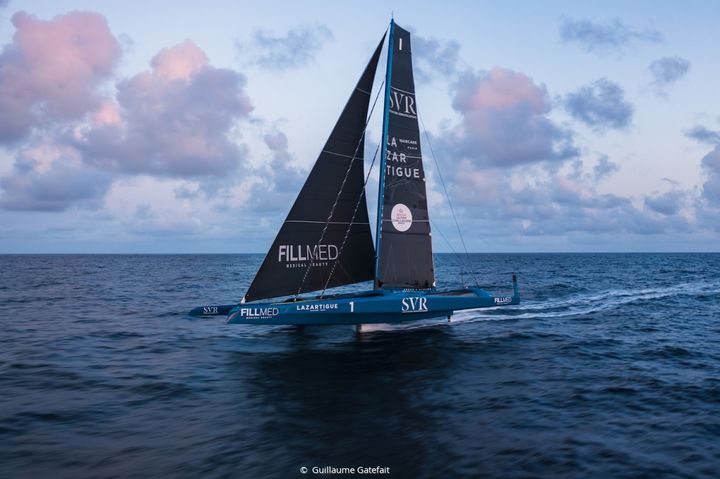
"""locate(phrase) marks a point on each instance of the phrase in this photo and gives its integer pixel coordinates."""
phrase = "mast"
(383, 153)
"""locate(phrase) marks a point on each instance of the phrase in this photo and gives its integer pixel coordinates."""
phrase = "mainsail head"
(310, 240)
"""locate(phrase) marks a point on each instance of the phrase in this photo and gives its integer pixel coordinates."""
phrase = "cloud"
(600, 105)
(435, 58)
(4, 3)
(279, 180)
(535, 197)
(711, 187)
(668, 70)
(600, 37)
(710, 165)
(70, 143)
(148, 222)
(52, 69)
(704, 135)
(667, 203)
(46, 177)
(532, 202)
(295, 49)
(504, 122)
(287, 178)
(512, 175)
(174, 120)
(708, 205)
(186, 192)
(604, 168)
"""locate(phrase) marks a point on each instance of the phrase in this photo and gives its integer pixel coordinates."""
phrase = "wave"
(585, 304)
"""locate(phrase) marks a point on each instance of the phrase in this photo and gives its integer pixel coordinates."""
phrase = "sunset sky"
(189, 127)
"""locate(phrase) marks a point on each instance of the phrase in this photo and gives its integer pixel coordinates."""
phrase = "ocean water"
(609, 368)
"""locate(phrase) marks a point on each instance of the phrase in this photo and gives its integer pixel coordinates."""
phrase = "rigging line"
(342, 186)
(435, 227)
(347, 231)
(447, 195)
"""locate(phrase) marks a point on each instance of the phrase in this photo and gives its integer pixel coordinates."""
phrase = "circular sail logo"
(401, 217)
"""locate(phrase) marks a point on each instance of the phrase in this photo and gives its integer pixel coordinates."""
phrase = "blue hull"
(378, 306)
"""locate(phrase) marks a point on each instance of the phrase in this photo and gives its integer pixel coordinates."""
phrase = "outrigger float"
(326, 241)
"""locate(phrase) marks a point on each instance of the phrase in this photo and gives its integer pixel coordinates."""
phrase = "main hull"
(377, 306)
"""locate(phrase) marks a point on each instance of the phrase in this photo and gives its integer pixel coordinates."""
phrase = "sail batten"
(309, 242)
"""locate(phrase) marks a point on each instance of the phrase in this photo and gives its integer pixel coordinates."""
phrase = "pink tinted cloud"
(179, 62)
(504, 122)
(107, 113)
(509, 156)
(502, 89)
(173, 120)
(52, 69)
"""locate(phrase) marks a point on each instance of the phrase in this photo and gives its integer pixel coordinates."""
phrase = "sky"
(189, 127)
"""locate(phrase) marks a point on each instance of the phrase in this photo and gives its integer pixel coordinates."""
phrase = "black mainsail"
(310, 240)
(404, 241)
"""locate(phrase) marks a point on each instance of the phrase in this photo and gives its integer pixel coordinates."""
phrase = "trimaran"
(326, 240)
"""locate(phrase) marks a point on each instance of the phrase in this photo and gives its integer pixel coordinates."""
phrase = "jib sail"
(301, 257)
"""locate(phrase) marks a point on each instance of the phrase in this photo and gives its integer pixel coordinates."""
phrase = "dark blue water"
(609, 368)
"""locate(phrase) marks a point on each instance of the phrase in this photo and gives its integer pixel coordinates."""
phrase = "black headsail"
(301, 257)
(404, 244)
